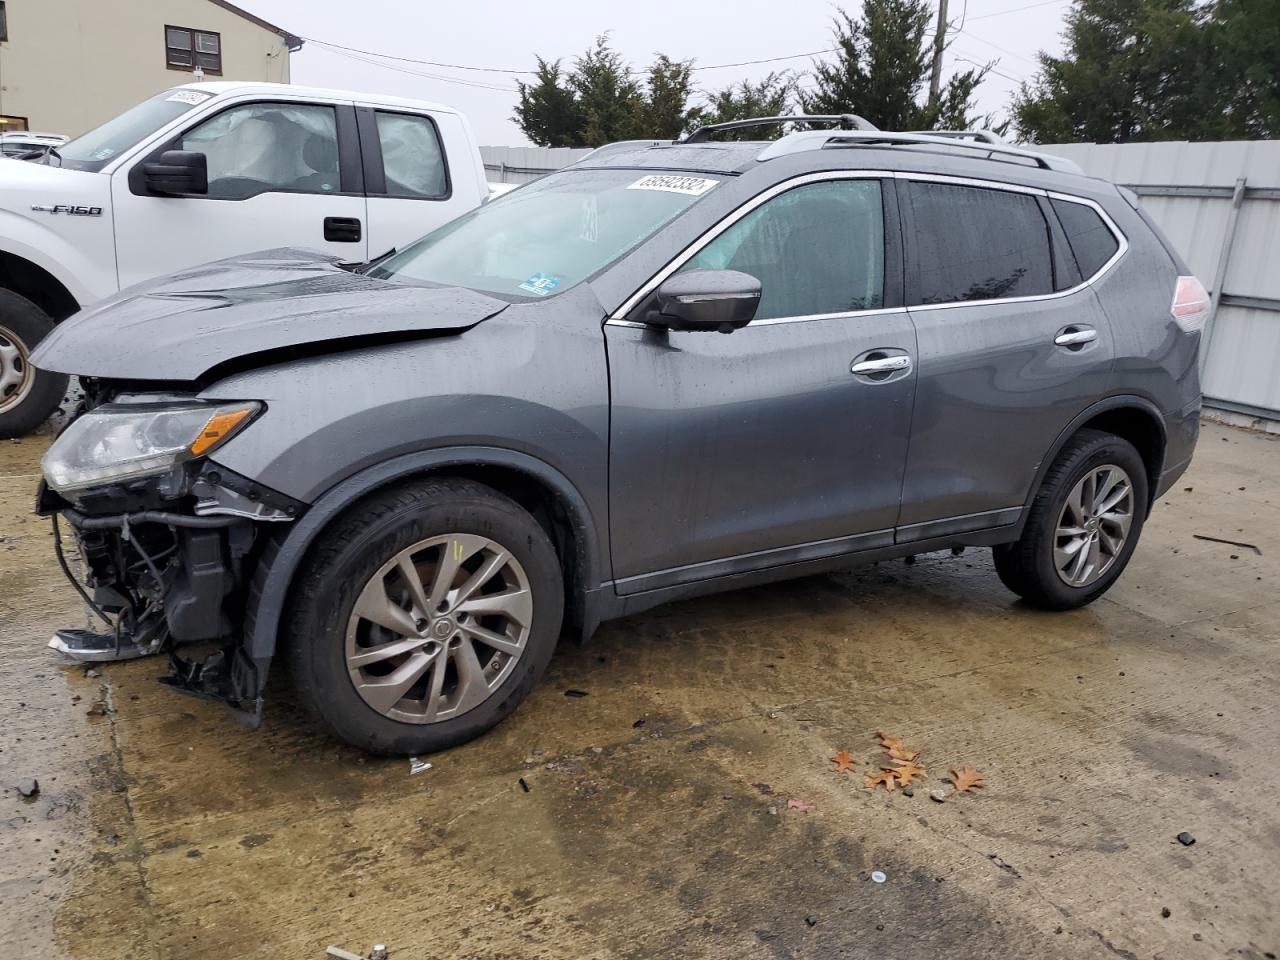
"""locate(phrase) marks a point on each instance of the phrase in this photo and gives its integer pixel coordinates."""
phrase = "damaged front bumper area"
(167, 564)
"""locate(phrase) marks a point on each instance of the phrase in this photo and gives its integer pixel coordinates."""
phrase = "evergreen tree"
(1132, 70)
(881, 71)
(666, 114)
(548, 111)
(769, 97)
(609, 100)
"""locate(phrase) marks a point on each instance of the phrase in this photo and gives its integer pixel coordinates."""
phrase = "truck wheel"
(425, 616)
(1083, 525)
(27, 395)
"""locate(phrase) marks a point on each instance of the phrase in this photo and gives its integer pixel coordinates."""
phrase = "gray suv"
(668, 370)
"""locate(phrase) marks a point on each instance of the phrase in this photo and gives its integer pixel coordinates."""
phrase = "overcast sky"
(506, 36)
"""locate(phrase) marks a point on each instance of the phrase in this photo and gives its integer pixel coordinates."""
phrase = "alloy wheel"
(438, 628)
(1093, 526)
(16, 373)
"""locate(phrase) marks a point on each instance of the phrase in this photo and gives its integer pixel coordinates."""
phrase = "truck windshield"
(542, 239)
(99, 146)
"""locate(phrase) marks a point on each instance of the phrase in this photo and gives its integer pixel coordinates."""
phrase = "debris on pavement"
(1231, 543)
(906, 770)
(418, 766)
(1186, 839)
(576, 693)
(379, 952)
(794, 804)
(844, 761)
(524, 785)
(877, 876)
(1166, 912)
(967, 779)
(639, 723)
(908, 791)
(337, 953)
(29, 788)
(811, 920)
(938, 796)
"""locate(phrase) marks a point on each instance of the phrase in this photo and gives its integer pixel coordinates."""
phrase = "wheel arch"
(30, 280)
(547, 493)
(1134, 418)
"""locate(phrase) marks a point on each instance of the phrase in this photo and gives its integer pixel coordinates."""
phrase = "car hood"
(268, 304)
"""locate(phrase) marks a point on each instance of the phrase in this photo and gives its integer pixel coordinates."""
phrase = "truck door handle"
(880, 365)
(342, 229)
(1075, 336)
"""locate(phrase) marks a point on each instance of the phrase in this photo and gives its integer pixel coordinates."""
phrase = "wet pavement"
(163, 830)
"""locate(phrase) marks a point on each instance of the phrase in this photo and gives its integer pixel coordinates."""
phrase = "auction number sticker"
(689, 186)
(188, 96)
(540, 284)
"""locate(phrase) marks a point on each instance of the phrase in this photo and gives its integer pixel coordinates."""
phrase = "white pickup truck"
(207, 171)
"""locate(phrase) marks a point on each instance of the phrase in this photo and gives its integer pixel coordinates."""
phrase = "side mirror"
(177, 172)
(723, 300)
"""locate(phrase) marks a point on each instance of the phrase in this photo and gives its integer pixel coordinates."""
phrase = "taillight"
(1190, 304)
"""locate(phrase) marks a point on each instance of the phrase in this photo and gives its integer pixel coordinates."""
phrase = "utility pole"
(939, 39)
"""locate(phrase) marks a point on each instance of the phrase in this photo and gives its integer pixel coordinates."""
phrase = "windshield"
(548, 236)
(95, 149)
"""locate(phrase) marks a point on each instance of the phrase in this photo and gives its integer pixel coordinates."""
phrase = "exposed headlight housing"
(118, 442)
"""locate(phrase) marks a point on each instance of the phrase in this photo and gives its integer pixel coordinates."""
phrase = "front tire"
(425, 616)
(1083, 525)
(27, 395)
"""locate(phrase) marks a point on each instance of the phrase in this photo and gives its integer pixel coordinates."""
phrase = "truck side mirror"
(177, 172)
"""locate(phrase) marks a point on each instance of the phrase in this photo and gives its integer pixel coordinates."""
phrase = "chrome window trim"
(772, 321)
(618, 317)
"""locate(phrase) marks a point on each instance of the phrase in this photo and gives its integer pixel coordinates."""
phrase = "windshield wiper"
(51, 151)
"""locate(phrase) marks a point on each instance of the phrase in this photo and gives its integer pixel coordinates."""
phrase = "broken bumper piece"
(89, 647)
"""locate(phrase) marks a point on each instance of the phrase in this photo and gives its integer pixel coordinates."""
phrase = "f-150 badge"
(71, 211)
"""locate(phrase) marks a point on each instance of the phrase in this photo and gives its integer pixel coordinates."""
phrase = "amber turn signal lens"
(219, 427)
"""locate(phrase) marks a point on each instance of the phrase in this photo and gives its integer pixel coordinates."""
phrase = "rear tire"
(1069, 555)
(366, 643)
(27, 395)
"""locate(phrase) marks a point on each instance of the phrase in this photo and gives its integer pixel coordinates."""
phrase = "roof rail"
(984, 141)
(619, 145)
(847, 121)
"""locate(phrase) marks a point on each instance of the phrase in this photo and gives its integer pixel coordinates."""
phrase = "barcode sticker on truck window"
(189, 96)
(690, 186)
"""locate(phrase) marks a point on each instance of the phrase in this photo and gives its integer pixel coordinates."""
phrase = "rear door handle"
(1076, 336)
(880, 365)
(342, 229)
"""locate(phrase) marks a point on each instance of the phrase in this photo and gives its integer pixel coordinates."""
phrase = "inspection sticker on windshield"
(540, 284)
(188, 96)
(690, 186)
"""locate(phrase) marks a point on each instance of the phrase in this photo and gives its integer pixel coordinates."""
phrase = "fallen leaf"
(897, 749)
(889, 742)
(966, 779)
(844, 761)
(794, 804)
(887, 776)
(907, 770)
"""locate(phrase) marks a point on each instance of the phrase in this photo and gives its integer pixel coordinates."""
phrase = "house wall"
(70, 65)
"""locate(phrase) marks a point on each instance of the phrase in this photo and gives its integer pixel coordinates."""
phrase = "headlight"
(115, 443)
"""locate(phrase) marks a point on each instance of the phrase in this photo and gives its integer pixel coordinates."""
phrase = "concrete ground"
(163, 830)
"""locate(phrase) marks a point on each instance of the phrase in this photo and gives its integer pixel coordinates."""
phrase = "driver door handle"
(880, 365)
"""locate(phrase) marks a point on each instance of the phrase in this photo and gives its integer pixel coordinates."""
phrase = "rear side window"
(1091, 240)
(411, 156)
(971, 243)
(816, 249)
